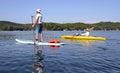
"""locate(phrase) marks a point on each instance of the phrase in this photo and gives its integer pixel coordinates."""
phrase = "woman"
(86, 32)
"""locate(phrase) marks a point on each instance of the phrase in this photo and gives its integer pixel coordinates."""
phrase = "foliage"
(6, 25)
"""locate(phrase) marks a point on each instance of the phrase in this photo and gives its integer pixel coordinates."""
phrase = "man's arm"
(36, 21)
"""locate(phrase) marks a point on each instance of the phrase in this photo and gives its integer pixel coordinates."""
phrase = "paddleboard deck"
(39, 43)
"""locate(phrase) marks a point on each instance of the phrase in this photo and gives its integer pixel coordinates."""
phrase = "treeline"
(107, 26)
(6, 25)
(10, 26)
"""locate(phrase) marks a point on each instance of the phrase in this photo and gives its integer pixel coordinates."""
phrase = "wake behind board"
(39, 43)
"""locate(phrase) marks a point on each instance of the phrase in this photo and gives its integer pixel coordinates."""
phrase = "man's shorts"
(38, 29)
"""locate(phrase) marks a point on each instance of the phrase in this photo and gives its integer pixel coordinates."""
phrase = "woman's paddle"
(91, 28)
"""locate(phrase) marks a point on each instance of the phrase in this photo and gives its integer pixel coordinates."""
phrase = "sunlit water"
(74, 57)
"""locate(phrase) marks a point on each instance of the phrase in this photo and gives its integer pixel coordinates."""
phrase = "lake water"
(74, 57)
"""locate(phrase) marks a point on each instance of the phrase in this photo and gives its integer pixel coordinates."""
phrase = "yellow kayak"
(82, 37)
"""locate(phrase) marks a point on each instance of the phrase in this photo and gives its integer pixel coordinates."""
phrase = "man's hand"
(33, 16)
(33, 25)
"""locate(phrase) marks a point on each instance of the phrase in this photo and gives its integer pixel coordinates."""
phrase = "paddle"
(32, 19)
(91, 28)
(32, 27)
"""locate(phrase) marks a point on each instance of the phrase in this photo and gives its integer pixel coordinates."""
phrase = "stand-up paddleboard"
(39, 43)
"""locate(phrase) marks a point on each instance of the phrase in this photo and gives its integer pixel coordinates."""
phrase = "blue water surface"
(74, 57)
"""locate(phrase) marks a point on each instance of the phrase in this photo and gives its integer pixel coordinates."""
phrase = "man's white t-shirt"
(40, 18)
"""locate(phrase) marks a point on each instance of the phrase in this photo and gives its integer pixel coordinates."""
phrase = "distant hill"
(107, 25)
(7, 25)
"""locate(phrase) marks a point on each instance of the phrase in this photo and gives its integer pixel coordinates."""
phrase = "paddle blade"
(91, 28)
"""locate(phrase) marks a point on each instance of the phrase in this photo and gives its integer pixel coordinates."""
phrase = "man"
(38, 26)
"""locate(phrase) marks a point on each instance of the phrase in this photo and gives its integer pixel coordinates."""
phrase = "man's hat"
(38, 10)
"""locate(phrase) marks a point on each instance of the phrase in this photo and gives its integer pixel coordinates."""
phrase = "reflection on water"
(86, 43)
(37, 59)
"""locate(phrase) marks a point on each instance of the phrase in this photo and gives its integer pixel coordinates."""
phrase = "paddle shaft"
(32, 27)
